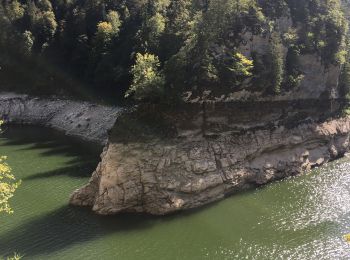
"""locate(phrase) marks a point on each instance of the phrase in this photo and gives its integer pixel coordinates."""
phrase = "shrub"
(148, 81)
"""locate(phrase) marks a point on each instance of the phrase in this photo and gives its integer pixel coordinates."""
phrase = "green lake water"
(299, 218)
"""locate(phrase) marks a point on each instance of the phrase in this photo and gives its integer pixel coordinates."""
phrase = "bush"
(148, 81)
(8, 184)
(277, 64)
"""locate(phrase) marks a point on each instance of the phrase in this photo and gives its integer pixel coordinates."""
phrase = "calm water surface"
(300, 218)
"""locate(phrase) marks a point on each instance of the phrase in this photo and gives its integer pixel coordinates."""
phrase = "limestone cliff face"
(202, 162)
(318, 80)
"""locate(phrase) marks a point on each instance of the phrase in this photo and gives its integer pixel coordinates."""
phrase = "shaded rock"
(135, 176)
(81, 119)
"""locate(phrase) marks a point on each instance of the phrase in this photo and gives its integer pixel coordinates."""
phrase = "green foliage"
(217, 34)
(8, 185)
(235, 69)
(156, 26)
(277, 64)
(242, 65)
(274, 8)
(148, 81)
(344, 84)
(113, 19)
(324, 27)
(196, 42)
(104, 32)
(14, 10)
(15, 256)
(27, 43)
(293, 81)
(180, 22)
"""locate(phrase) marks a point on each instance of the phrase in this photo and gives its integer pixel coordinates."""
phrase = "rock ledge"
(81, 119)
(164, 175)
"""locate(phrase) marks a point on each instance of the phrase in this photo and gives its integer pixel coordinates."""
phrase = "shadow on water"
(78, 170)
(84, 156)
(63, 228)
(70, 225)
(45, 138)
(66, 226)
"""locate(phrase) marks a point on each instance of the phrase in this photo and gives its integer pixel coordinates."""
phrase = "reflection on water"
(299, 218)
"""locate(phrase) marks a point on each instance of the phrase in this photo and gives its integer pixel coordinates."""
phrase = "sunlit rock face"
(144, 170)
(319, 79)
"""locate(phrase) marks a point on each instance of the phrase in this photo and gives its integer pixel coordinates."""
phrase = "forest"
(149, 50)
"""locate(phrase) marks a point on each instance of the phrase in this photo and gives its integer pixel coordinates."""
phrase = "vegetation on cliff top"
(161, 48)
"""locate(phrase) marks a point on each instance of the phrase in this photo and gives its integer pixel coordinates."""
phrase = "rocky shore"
(159, 175)
(198, 155)
(80, 119)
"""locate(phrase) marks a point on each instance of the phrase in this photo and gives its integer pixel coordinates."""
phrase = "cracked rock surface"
(158, 175)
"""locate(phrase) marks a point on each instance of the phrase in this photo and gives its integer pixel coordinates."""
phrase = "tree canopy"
(196, 44)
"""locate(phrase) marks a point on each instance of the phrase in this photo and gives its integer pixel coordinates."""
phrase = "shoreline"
(162, 175)
(146, 173)
(84, 120)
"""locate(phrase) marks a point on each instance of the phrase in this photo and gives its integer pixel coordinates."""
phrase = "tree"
(14, 10)
(344, 83)
(148, 81)
(95, 41)
(241, 66)
(277, 64)
(45, 26)
(113, 19)
(179, 17)
(27, 43)
(106, 31)
(14, 257)
(156, 26)
(8, 185)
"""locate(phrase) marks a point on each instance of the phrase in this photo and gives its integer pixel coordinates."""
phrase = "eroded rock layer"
(157, 174)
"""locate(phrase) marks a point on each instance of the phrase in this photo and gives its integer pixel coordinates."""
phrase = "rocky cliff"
(146, 168)
(221, 140)
(261, 88)
(81, 119)
(159, 160)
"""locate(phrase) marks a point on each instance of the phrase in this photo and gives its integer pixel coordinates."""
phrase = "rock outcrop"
(81, 119)
(147, 172)
(190, 157)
